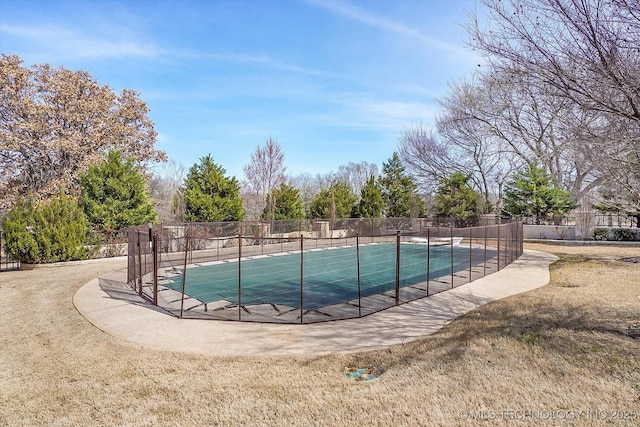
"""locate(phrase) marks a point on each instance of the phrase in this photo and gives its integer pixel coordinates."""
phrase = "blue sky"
(332, 82)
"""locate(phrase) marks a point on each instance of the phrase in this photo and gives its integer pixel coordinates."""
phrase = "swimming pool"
(324, 277)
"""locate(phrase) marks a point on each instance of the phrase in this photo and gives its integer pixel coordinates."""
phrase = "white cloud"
(243, 58)
(348, 10)
(385, 114)
(226, 57)
(64, 42)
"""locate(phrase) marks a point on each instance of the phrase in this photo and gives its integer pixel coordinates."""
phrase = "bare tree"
(326, 180)
(428, 158)
(166, 187)
(55, 123)
(522, 116)
(587, 52)
(307, 186)
(356, 174)
(434, 157)
(480, 150)
(265, 172)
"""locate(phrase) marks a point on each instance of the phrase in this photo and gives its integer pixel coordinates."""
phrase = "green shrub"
(45, 232)
(622, 234)
(617, 234)
(601, 234)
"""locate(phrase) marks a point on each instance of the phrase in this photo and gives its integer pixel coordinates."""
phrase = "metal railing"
(163, 262)
(6, 263)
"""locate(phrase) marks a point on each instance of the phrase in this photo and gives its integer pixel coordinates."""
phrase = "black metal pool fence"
(162, 259)
(6, 263)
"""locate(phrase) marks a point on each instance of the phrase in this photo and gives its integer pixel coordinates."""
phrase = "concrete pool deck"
(121, 313)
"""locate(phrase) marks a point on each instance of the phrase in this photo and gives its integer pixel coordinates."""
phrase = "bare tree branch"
(265, 172)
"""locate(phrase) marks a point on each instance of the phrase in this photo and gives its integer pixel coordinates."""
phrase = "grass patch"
(530, 338)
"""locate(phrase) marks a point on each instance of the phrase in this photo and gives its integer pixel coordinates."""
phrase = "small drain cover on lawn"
(359, 374)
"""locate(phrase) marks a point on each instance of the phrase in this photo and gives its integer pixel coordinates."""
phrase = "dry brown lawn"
(559, 355)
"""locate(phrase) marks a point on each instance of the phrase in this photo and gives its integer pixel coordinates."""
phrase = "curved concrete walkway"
(122, 314)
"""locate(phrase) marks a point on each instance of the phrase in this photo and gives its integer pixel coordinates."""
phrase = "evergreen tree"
(286, 204)
(534, 193)
(371, 203)
(211, 196)
(337, 201)
(455, 198)
(45, 232)
(115, 196)
(399, 191)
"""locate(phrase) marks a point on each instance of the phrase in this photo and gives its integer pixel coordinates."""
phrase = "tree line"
(268, 194)
(552, 115)
(114, 195)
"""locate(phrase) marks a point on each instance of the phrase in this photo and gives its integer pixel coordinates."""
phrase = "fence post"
(373, 231)
(154, 247)
(512, 245)
(521, 234)
(398, 267)
(451, 252)
(470, 250)
(160, 242)
(184, 271)
(507, 255)
(506, 245)
(191, 233)
(484, 269)
(517, 227)
(428, 258)
(358, 267)
(301, 278)
(139, 263)
(217, 241)
(240, 274)
(499, 246)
